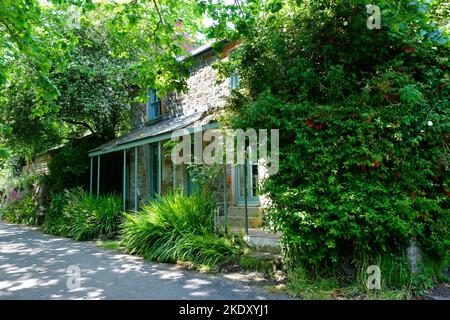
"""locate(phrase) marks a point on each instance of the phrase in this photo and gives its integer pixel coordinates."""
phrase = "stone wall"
(39, 165)
(138, 115)
(204, 93)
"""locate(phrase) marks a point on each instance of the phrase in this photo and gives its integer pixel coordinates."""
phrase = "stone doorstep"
(263, 240)
(239, 212)
(264, 244)
(440, 292)
(267, 259)
(264, 233)
(263, 255)
(239, 223)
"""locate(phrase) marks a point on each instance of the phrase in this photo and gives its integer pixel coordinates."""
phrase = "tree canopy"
(67, 67)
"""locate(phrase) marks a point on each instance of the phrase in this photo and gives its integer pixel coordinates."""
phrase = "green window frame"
(153, 105)
(252, 182)
(154, 169)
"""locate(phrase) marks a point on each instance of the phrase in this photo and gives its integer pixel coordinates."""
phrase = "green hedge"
(364, 122)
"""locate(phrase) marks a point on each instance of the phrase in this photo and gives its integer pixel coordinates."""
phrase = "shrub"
(396, 281)
(364, 121)
(21, 210)
(69, 167)
(17, 196)
(55, 222)
(176, 227)
(83, 217)
(14, 182)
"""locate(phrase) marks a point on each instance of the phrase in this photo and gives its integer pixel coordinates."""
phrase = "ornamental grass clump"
(178, 228)
(83, 217)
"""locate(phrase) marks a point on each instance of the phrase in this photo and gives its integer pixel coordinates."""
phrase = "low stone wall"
(40, 165)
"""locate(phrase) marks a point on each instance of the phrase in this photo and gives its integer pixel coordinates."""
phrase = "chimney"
(187, 41)
(179, 25)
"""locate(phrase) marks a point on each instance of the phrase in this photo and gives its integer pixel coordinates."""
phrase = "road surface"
(38, 266)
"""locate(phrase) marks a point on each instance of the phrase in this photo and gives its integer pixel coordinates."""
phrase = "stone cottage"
(148, 169)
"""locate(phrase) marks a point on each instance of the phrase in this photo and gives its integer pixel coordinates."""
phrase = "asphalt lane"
(38, 266)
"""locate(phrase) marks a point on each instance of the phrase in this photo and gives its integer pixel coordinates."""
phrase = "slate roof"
(166, 125)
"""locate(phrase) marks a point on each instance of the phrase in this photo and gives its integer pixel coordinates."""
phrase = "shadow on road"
(35, 266)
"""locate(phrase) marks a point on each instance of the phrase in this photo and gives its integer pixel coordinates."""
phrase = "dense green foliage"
(71, 67)
(37, 35)
(176, 227)
(82, 217)
(363, 116)
(69, 165)
(94, 91)
(364, 121)
(17, 199)
(21, 211)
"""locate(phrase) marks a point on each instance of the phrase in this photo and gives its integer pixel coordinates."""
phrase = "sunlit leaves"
(363, 118)
(32, 45)
(38, 37)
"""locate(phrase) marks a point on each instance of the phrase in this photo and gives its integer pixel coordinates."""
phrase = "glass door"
(154, 170)
(192, 187)
(252, 183)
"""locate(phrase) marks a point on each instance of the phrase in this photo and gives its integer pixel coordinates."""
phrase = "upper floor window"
(234, 78)
(153, 105)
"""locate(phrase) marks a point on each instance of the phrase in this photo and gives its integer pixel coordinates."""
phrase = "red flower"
(309, 123)
(319, 126)
(394, 98)
(386, 97)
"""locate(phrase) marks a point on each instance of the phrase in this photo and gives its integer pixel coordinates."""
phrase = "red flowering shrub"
(363, 132)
